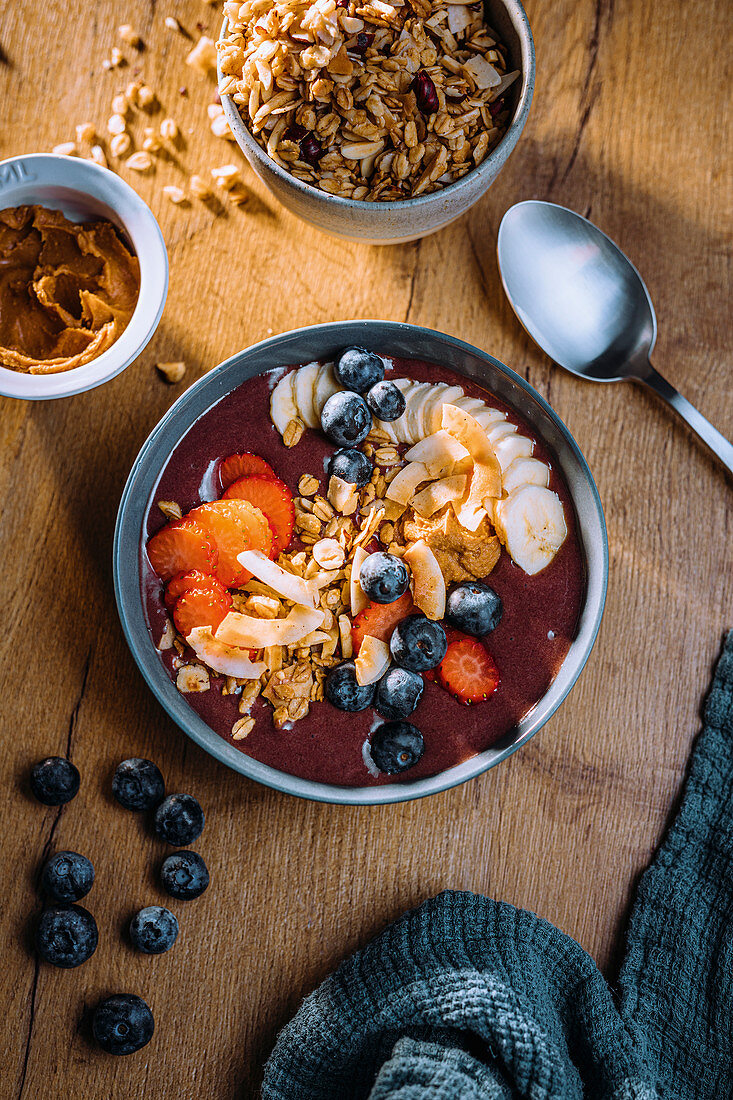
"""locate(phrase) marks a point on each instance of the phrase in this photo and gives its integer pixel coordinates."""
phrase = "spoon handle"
(717, 442)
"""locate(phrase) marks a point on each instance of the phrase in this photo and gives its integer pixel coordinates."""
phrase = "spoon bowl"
(583, 301)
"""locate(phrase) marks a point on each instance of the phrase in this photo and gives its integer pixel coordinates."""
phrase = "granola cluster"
(369, 100)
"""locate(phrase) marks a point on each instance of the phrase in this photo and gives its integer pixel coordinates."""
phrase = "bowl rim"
(101, 185)
(126, 549)
(452, 190)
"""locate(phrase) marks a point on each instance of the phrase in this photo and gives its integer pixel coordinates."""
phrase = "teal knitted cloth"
(471, 999)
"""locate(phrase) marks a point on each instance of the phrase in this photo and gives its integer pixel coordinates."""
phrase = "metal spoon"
(585, 304)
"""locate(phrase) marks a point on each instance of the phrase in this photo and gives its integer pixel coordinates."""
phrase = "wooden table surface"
(627, 127)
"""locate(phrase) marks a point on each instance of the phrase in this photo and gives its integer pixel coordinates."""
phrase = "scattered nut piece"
(266, 607)
(199, 187)
(176, 195)
(192, 678)
(329, 554)
(146, 98)
(169, 129)
(203, 56)
(227, 177)
(241, 728)
(220, 128)
(120, 104)
(65, 149)
(99, 156)
(172, 24)
(85, 133)
(131, 92)
(293, 432)
(116, 124)
(238, 195)
(167, 637)
(129, 35)
(116, 58)
(140, 162)
(214, 110)
(172, 372)
(120, 144)
(308, 485)
(170, 509)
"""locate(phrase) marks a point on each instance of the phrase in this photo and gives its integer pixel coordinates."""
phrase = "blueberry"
(66, 936)
(122, 1024)
(474, 608)
(138, 784)
(386, 401)
(396, 746)
(351, 466)
(398, 693)
(357, 369)
(345, 418)
(153, 930)
(67, 876)
(343, 690)
(384, 577)
(184, 875)
(179, 820)
(54, 781)
(418, 643)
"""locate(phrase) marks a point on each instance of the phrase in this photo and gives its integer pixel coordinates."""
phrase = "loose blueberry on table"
(67, 877)
(153, 930)
(179, 820)
(184, 875)
(55, 781)
(138, 784)
(374, 596)
(122, 1024)
(66, 936)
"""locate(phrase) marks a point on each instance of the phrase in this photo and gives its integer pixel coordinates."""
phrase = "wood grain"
(628, 127)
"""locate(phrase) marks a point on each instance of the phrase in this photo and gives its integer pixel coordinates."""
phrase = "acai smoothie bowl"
(360, 562)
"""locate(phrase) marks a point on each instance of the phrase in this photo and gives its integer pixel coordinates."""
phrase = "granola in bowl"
(369, 101)
(289, 580)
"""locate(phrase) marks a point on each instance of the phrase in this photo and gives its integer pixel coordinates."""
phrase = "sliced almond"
(357, 596)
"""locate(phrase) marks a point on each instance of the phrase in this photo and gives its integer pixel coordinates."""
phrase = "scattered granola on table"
(374, 101)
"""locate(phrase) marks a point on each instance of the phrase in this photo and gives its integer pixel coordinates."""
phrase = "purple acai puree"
(538, 624)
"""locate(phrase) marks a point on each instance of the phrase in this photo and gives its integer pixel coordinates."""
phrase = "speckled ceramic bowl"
(395, 222)
(322, 342)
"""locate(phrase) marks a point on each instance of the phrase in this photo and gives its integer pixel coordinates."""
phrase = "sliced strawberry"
(234, 525)
(181, 546)
(243, 465)
(379, 620)
(201, 606)
(467, 671)
(272, 497)
(182, 582)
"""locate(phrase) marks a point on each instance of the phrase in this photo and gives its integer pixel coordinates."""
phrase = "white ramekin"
(82, 191)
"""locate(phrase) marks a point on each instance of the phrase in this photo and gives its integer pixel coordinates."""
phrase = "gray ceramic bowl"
(323, 342)
(394, 222)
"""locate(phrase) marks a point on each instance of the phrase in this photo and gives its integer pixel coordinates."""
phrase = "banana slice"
(511, 447)
(324, 386)
(282, 405)
(500, 431)
(428, 409)
(414, 413)
(471, 405)
(525, 471)
(448, 395)
(397, 429)
(531, 524)
(488, 417)
(304, 380)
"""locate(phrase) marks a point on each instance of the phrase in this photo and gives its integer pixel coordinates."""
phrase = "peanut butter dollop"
(67, 290)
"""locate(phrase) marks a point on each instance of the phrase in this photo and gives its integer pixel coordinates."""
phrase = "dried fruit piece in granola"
(180, 547)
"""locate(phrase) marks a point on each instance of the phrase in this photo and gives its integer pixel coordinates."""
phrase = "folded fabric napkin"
(471, 999)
